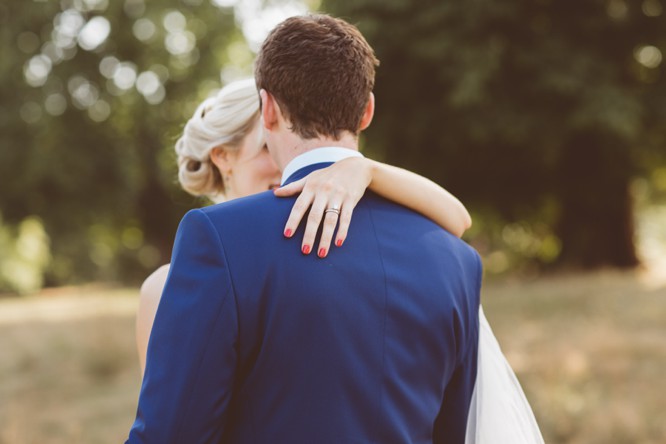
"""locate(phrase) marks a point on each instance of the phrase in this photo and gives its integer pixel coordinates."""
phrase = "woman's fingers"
(312, 223)
(299, 209)
(340, 186)
(343, 223)
(331, 215)
(290, 189)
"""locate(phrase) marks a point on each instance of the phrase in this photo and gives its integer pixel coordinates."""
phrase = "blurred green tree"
(537, 114)
(93, 94)
(538, 111)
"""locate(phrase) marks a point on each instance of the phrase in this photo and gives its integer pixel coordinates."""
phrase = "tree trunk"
(596, 224)
(157, 211)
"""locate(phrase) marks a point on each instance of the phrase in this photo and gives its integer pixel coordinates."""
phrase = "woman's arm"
(421, 195)
(149, 299)
(342, 185)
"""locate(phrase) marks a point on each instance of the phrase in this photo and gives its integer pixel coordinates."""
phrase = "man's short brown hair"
(321, 72)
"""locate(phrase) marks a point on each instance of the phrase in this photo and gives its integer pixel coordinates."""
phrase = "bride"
(222, 155)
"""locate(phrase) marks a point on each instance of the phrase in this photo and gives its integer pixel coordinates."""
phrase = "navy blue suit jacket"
(254, 342)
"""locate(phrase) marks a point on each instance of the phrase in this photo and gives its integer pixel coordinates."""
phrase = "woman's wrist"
(371, 170)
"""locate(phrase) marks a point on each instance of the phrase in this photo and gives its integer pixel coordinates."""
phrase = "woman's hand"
(339, 186)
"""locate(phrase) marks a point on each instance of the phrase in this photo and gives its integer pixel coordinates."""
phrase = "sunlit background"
(546, 118)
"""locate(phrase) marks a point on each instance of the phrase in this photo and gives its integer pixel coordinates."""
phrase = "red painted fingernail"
(305, 249)
(338, 242)
(287, 233)
(322, 252)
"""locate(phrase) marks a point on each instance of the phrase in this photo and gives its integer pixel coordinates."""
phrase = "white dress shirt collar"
(317, 155)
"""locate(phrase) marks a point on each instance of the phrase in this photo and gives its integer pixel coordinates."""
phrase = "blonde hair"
(220, 121)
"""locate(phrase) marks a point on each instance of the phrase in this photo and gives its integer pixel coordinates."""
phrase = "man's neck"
(328, 154)
(292, 146)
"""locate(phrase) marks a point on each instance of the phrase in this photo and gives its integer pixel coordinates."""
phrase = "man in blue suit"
(257, 342)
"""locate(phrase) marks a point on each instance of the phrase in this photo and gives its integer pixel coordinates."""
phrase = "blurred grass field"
(590, 351)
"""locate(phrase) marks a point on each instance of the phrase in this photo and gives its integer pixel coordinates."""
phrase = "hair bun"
(219, 121)
(193, 165)
(196, 177)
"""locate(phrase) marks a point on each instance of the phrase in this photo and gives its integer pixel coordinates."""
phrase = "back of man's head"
(321, 72)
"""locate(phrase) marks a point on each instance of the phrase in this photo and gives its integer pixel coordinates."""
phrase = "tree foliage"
(538, 111)
(93, 94)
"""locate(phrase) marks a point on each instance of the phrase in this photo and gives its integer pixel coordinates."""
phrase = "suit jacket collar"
(316, 156)
(301, 173)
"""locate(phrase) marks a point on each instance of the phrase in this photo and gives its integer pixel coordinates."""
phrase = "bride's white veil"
(499, 412)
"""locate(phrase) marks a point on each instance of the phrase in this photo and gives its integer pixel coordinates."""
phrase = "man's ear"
(368, 113)
(269, 109)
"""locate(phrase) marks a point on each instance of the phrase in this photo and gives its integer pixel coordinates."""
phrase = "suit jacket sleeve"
(451, 424)
(192, 351)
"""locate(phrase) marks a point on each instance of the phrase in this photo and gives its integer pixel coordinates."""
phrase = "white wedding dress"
(499, 412)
